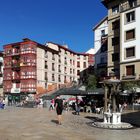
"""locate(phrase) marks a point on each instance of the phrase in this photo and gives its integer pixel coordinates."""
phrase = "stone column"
(105, 100)
(114, 99)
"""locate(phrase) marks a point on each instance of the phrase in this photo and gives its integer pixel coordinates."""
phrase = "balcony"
(28, 90)
(28, 63)
(128, 77)
(15, 53)
(7, 78)
(15, 90)
(130, 5)
(104, 36)
(16, 46)
(28, 76)
(28, 50)
(16, 66)
(100, 65)
(16, 79)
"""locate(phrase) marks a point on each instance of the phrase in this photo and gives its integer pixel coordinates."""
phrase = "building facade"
(33, 68)
(1, 73)
(130, 34)
(113, 64)
(123, 34)
(100, 46)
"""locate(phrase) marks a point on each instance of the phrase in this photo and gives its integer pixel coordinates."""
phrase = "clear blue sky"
(60, 21)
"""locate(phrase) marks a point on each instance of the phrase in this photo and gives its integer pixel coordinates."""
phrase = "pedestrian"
(59, 109)
(51, 105)
(120, 108)
(40, 105)
(77, 108)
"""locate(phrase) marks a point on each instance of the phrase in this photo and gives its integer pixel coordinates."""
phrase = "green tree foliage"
(131, 86)
(91, 82)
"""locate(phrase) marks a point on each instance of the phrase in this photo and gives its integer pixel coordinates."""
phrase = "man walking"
(59, 108)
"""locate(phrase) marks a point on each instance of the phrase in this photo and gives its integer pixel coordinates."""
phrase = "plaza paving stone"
(40, 124)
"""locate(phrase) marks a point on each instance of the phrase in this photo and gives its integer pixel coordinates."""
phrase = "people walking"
(59, 109)
(77, 108)
(51, 105)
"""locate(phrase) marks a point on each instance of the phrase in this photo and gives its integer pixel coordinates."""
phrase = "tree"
(91, 82)
(131, 87)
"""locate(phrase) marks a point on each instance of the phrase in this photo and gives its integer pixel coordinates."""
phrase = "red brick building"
(33, 68)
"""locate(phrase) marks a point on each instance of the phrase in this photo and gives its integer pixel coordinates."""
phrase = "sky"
(65, 22)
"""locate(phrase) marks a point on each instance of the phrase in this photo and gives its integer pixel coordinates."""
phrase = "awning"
(75, 91)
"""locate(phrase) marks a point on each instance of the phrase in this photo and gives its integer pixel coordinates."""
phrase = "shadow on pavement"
(132, 118)
(94, 119)
(54, 121)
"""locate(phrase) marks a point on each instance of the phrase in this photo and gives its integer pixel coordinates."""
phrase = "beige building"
(113, 36)
(64, 66)
(123, 38)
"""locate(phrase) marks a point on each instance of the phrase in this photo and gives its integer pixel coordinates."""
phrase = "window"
(84, 64)
(78, 56)
(46, 66)
(59, 68)
(46, 76)
(85, 57)
(78, 72)
(53, 68)
(53, 57)
(70, 61)
(132, 3)
(53, 78)
(130, 70)
(78, 64)
(46, 55)
(116, 24)
(130, 52)
(65, 69)
(65, 79)
(102, 60)
(102, 32)
(130, 16)
(65, 52)
(70, 71)
(103, 45)
(73, 71)
(115, 9)
(73, 62)
(115, 56)
(115, 41)
(130, 34)
(59, 78)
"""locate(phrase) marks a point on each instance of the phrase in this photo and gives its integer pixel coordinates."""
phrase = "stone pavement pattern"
(39, 124)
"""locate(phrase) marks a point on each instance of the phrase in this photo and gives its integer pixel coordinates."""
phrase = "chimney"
(26, 39)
